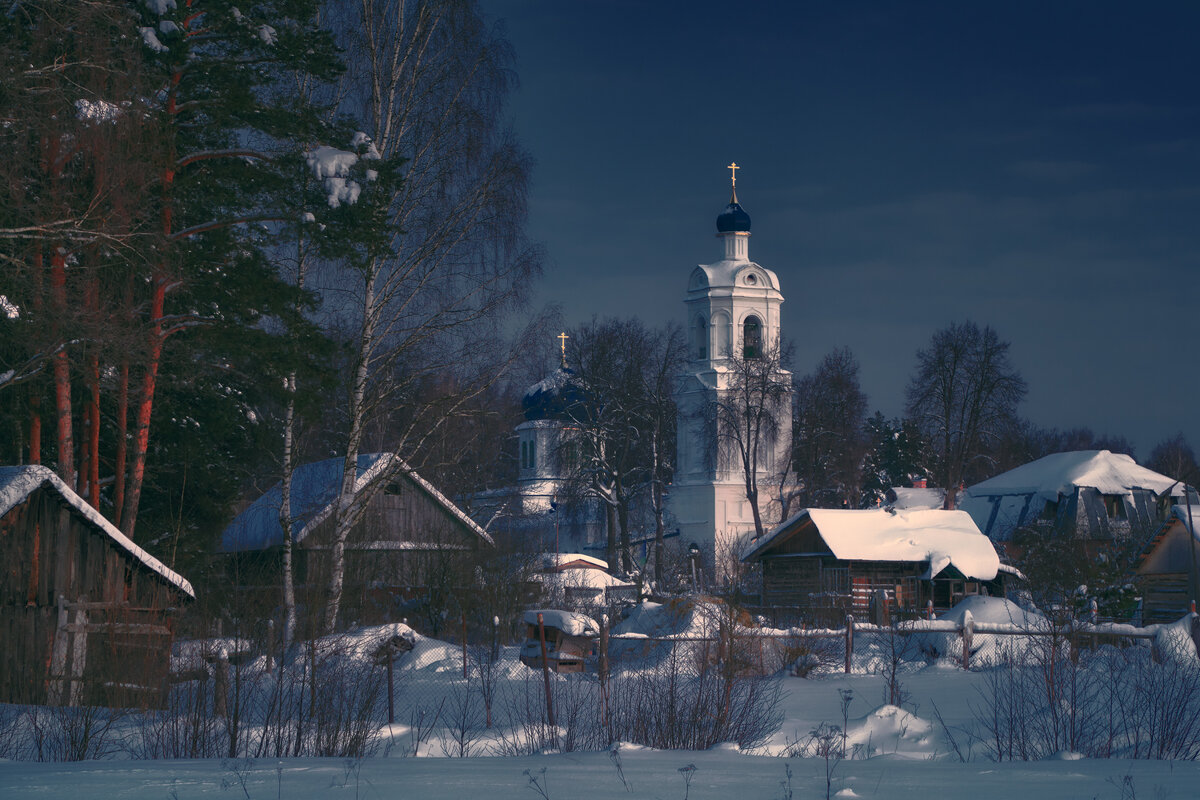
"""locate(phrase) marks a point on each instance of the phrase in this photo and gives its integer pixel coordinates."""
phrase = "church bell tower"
(732, 315)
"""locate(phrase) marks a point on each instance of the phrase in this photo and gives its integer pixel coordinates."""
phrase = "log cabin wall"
(404, 542)
(76, 606)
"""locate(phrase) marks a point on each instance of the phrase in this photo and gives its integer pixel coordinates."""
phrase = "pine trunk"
(62, 371)
(122, 442)
(145, 405)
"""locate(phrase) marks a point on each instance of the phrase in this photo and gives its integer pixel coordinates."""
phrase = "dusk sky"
(1033, 166)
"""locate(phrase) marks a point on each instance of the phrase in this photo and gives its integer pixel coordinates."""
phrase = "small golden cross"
(562, 340)
(733, 168)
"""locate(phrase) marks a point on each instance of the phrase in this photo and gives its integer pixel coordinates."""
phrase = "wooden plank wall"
(47, 552)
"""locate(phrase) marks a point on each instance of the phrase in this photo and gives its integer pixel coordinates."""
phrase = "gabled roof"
(314, 496)
(18, 483)
(1062, 473)
(941, 538)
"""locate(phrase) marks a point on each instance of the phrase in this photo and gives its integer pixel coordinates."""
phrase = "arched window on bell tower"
(752, 337)
(701, 339)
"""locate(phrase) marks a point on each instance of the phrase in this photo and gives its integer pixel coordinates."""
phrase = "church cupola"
(733, 224)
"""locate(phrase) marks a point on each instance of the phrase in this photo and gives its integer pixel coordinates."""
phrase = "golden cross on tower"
(562, 340)
(733, 168)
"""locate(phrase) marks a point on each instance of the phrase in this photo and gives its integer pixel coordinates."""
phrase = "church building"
(733, 320)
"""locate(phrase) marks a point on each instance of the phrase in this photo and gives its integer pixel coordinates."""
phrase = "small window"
(1115, 506)
(752, 338)
(701, 339)
(533, 454)
(524, 455)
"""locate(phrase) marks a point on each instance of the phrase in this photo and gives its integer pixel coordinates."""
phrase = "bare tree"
(427, 81)
(625, 436)
(963, 396)
(744, 414)
(1173, 456)
(828, 437)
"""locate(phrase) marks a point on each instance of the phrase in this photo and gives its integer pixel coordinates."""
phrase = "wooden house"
(407, 537)
(1168, 567)
(838, 560)
(570, 639)
(86, 616)
(1092, 496)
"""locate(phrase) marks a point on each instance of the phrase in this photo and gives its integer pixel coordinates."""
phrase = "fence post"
(391, 698)
(464, 644)
(221, 684)
(270, 646)
(603, 670)
(849, 640)
(545, 670)
(968, 633)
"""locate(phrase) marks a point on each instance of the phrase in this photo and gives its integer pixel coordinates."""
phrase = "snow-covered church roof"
(315, 490)
(561, 395)
(18, 483)
(942, 538)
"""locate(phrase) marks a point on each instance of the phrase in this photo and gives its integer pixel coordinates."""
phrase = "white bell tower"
(732, 310)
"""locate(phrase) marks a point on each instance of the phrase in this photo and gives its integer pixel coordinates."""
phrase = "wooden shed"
(85, 614)
(837, 560)
(408, 537)
(1168, 567)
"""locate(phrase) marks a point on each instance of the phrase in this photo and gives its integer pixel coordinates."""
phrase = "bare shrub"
(527, 729)
(684, 703)
(1105, 703)
(185, 729)
(464, 721)
(75, 733)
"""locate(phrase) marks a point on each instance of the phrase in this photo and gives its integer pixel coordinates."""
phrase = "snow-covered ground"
(922, 750)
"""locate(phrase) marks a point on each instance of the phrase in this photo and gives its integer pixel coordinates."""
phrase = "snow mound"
(890, 730)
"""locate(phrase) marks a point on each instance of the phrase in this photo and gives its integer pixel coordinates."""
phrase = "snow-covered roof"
(578, 578)
(560, 560)
(912, 499)
(18, 483)
(1062, 473)
(943, 538)
(569, 622)
(315, 490)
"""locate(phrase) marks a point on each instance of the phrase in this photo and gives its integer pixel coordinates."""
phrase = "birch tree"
(426, 82)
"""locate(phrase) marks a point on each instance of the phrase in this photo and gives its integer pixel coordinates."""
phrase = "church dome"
(559, 396)
(733, 218)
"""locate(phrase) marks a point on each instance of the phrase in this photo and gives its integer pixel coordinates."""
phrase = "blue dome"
(733, 218)
(560, 396)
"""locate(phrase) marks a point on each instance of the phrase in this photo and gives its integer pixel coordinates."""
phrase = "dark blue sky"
(1031, 166)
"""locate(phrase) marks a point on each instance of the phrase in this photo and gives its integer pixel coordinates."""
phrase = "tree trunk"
(62, 370)
(141, 425)
(343, 516)
(35, 428)
(122, 441)
(93, 444)
(285, 516)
